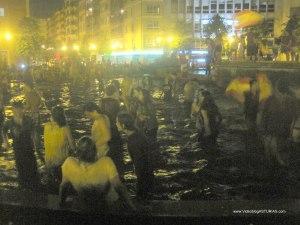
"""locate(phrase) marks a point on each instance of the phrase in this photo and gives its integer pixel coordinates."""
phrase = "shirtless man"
(101, 133)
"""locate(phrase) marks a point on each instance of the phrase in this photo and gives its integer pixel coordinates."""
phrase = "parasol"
(239, 86)
(247, 18)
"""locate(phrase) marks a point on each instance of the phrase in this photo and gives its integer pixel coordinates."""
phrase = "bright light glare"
(159, 39)
(64, 48)
(199, 52)
(23, 66)
(170, 39)
(8, 36)
(116, 45)
(93, 46)
(76, 47)
(132, 53)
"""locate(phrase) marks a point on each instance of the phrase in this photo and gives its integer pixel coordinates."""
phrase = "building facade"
(11, 13)
(283, 11)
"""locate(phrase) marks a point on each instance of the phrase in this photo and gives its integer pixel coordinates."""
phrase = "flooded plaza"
(183, 170)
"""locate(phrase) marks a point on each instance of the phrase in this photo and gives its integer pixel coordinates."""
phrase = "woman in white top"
(58, 141)
(96, 181)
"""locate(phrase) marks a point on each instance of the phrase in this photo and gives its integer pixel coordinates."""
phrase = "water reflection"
(186, 172)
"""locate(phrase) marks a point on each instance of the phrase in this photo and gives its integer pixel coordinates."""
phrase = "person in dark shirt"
(139, 152)
(208, 119)
(20, 129)
(251, 105)
(277, 115)
(111, 107)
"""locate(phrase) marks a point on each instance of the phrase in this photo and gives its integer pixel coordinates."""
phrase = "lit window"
(205, 9)
(152, 25)
(1, 11)
(152, 9)
(221, 8)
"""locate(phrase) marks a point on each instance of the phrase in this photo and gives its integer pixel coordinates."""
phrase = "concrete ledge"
(23, 207)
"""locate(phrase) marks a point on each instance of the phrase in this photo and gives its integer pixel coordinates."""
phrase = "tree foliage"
(184, 32)
(292, 25)
(30, 39)
(261, 30)
(216, 27)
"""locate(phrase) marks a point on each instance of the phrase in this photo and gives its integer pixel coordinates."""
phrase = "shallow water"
(184, 171)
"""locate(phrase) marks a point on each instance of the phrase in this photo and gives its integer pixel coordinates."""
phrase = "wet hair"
(58, 115)
(110, 90)
(90, 107)
(126, 120)
(86, 149)
(17, 104)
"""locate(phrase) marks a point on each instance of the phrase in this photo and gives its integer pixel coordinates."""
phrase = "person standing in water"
(208, 119)
(101, 132)
(20, 129)
(139, 151)
(33, 102)
(95, 180)
(251, 105)
(111, 107)
(58, 141)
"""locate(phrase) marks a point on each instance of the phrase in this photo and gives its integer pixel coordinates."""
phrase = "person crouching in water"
(20, 129)
(95, 180)
(208, 119)
(101, 133)
(139, 152)
(58, 141)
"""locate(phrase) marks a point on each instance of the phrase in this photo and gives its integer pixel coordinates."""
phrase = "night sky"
(44, 8)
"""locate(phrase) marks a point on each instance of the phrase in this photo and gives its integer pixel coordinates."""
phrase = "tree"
(292, 25)
(216, 27)
(261, 30)
(30, 39)
(184, 32)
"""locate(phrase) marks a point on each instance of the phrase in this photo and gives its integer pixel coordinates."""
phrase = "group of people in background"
(250, 47)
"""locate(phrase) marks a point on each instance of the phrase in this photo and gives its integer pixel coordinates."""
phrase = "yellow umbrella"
(247, 18)
(239, 86)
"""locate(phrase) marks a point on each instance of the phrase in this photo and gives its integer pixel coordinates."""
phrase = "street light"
(64, 48)
(170, 39)
(93, 47)
(8, 36)
(76, 47)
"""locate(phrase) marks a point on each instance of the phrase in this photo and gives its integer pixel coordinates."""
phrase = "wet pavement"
(184, 171)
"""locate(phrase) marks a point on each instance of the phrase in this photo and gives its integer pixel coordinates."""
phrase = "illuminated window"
(262, 8)
(189, 9)
(152, 25)
(229, 8)
(221, 8)
(237, 7)
(271, 8)
(152, 9)
(246, 6)
(213, 8)
(1, 11)
(174, 6)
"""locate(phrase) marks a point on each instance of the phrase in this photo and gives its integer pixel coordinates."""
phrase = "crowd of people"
(94, 168)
